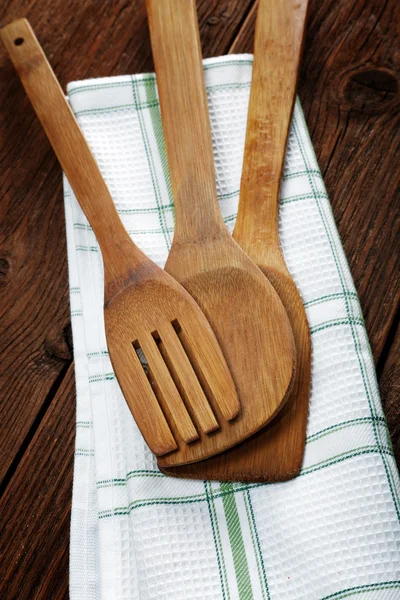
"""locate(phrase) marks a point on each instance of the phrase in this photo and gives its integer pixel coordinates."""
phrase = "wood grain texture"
(350, 92)
(242, 307)
(86, 38)
(276, 453)
(34, 306)
(357, 82)
(35, 509)
(389, 385)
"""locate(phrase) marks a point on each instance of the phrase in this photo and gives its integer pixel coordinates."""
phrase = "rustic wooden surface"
(350, 89)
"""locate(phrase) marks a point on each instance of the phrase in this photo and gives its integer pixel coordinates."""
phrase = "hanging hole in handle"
(18, 41)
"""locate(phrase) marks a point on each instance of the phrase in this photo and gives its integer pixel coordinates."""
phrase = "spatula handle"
(176, 49)
(277, 51)
(66, 139)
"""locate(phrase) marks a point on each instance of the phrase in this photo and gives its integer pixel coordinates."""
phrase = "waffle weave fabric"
(331, 533)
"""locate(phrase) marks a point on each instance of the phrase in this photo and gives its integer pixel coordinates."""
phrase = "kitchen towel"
(331, 533)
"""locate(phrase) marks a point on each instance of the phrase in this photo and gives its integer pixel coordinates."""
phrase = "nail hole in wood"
(19, 41)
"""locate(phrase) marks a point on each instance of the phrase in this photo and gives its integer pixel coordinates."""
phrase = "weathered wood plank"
(349, 87)
(35, 509)
(34, 308)
(389, 385)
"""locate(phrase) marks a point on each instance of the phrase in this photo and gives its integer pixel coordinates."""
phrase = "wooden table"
(349, 87)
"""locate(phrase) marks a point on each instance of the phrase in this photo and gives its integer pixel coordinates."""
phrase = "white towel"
(331, 533)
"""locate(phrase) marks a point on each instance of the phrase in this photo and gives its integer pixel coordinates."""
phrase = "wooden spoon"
(276, 452)
(142, 304)
(242, 307)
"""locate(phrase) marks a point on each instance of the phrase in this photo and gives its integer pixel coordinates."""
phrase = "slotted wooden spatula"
(241, 305)
(276, 452)
(143, 305)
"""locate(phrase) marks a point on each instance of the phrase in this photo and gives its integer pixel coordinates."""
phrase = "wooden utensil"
(142, 303)
(276, 452)
(242, 307)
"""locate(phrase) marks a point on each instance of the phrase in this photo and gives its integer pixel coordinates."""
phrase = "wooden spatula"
(142, 303)
(242, 307)
(276, 452)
